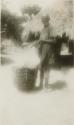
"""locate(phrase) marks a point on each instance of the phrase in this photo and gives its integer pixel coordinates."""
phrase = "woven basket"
(25, 78)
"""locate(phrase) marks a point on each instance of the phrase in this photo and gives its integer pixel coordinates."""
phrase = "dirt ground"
(54, 106)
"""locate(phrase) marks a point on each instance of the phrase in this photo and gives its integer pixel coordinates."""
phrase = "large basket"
(26, 78)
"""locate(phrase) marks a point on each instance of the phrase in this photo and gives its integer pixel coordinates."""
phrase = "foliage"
(31, 10)
(10, 26)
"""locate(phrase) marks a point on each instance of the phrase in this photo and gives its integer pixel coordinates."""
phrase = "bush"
(31, 10)
(10, 26)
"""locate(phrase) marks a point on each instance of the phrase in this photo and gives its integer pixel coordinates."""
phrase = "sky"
(16, 5)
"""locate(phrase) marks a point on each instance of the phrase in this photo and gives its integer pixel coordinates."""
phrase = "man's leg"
(41, 77)
(46, 77)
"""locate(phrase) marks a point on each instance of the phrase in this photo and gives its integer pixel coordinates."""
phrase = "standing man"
(45, 51)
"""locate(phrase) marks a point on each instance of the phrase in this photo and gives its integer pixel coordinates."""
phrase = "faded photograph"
(37, 62)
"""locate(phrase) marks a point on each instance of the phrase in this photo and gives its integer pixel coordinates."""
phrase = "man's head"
(45, 20)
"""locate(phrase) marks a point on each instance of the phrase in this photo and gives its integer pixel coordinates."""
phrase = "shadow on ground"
(6, 61)
(35, 89)
(59, 85)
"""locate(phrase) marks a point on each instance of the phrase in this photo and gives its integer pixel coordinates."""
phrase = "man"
(45, 51)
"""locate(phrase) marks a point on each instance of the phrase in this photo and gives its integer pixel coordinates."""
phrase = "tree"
(31, 10)
(10, 26)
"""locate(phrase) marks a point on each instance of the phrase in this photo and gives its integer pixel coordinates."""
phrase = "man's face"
(45, 22)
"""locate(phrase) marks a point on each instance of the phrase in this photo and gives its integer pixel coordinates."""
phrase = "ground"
(54, 106)
(44, 107)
